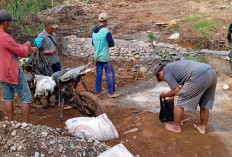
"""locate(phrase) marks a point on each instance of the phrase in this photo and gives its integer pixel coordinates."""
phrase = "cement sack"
(98, 128)
(116, 151)
(44, 84)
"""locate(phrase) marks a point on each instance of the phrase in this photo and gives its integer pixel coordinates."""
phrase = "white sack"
(44, 84)
(99, 128)
(116, 151)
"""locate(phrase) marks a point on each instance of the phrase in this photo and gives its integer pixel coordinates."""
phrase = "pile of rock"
(22, 140)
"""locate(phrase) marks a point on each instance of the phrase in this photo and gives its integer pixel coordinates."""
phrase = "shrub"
(22, 9)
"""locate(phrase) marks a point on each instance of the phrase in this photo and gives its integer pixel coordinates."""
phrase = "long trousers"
(110, 76)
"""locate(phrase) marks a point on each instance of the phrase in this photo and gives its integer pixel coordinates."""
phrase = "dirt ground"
(134, 19)
(152, 139)
(128, 18)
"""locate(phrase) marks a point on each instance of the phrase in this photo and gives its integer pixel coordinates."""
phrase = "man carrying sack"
(198, 84)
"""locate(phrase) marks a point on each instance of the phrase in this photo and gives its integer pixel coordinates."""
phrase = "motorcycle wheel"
(91, 105)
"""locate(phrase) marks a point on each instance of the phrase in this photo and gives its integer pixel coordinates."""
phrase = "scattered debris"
(132, 130)
(225, 86)
(164, 24)
(174, 36)
(68, 108)
(117, 151)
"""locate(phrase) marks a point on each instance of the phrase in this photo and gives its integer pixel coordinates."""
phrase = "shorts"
(22, 89)
(196, 91)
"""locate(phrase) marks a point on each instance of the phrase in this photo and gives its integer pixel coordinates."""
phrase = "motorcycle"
(64, 90)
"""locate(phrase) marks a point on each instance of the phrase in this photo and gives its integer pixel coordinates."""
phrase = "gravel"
(27, 140)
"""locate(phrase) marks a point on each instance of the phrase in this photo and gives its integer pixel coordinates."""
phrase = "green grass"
(198, 46)
(192, 17)
(23, 8)
(205, 27)
(198, 59)
(27, 31)
(152, 37)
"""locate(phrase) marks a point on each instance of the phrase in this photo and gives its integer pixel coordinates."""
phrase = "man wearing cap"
(11, 76)
(50, 43)
(191, 83)
(102, 40)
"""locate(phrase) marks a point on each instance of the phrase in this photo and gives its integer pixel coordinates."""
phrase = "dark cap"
(157, 69)
(5, 16)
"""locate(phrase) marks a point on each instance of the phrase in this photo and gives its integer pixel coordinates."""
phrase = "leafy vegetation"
(152, 37)
(22, 9)
(27, 31)
(204, 27)
(199, 59)
(198, 46)
(192, 17)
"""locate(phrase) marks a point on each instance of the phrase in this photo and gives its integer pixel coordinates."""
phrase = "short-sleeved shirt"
(48, 44)
(179, 72)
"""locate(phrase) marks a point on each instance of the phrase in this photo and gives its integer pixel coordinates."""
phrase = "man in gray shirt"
(50, 43)
(191, 83)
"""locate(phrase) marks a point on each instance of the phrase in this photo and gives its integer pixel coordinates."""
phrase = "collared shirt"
(9, 52)
(48, 44)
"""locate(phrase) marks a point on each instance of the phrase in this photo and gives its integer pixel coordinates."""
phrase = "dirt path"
(138, 107)
(152, 139)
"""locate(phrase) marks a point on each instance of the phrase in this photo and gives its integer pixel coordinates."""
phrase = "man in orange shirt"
(11, 76)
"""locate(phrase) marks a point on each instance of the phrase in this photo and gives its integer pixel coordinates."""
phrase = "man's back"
(101, 45)
(183, 70)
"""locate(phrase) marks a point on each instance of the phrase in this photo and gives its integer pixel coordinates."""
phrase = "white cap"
(103, 17)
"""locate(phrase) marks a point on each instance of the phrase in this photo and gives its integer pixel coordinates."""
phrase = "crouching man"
(191, 83)
(11, 76)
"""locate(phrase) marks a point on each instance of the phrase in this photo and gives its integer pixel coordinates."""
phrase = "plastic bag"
(116, 151)
(166, 110)
(44, 84)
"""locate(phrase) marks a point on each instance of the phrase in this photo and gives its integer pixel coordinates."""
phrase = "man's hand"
(53, 52)
(163, 95)
(28, 43)
(34, 49)
(50, 52)
(171, 98)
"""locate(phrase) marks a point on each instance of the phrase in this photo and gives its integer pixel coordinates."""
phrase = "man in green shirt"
(102, 40)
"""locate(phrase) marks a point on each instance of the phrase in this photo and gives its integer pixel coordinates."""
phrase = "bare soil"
(135, 16)
(151, 139)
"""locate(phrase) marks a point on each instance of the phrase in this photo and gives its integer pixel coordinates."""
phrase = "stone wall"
(136, 51)
(123, 50)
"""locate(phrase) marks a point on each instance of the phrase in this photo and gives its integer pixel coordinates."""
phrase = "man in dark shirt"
(229, 40)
